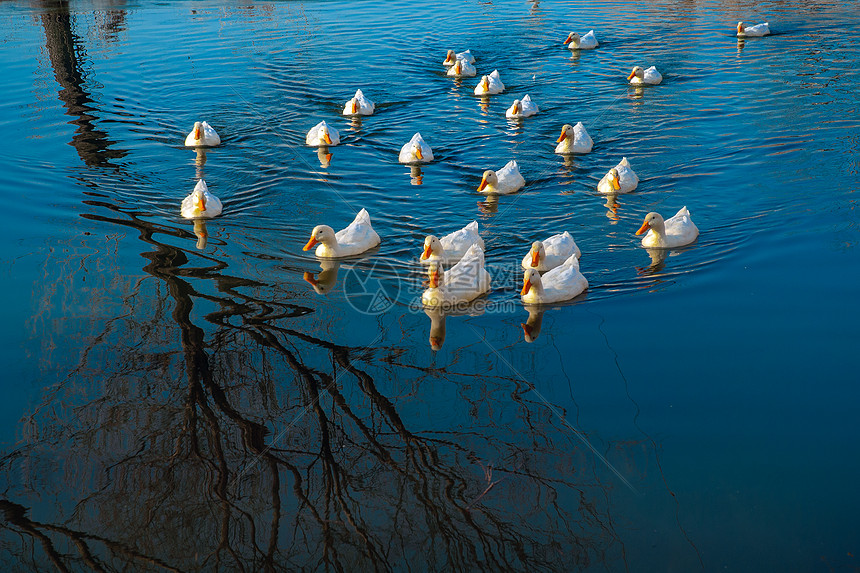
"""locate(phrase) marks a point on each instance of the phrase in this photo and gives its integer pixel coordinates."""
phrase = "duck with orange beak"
(416, 150)
(585, 42)
(452, 58)
(551, 252)
(203, 135)
(619, 179)
(521, 108)
(321, 135)
(464, 282)
(676, 231)
(462, 69)
(201, 204)
(639, 76)
(502, 182)
(359, 105)
(564, 282)
(356, 238)
(753, 31)
(574, 139)
(451, 248)
(490, 84)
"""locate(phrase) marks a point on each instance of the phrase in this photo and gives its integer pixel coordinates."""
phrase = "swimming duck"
(463, 282)
(322, 135)
(202, 135)
(356, 238)
(586, 42)
(619, 179)
(561, 283)
(551, 252)
(462, 69)
(522, 108)
(574, 139)
(650, 76)
(201, 203)
(673, 232)
(491, 84)
(359, 105)
(452, 246)
(416, 150)
(757, 30)
(452, 58)
(505, 180)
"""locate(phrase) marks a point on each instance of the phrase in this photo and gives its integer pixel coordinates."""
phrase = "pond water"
(179, 396)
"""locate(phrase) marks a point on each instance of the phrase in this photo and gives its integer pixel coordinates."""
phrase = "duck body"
(356, 238)
(551, 252)
(359, 105)
(619, 179)
(464, 282)
(203, 135)
(522, 108)
(564, 282)
(676, 231)
(490, 84)
(453, 246)
(462, 69)
(452, 58)
(753, 31)
(648, 76)
(321, 135)
(201, 203)
(585, 42)
(416, 150)
(504, 181)
(574, 139)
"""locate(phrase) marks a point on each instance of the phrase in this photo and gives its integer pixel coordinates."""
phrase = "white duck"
(321, 135)
(522, 108)
(416, 150)
(551, 252)
(356, 238)
(639, 76)
(201, 203)
(757, 30)
(491, 84)
(619, 179)
(506, 180)
(585, 42)
(202, 135)
(462, 69)
(673, 232)
(561, 283)
(463, 282)
(452, 246)
(452, 58)
(359, 105)
(574, 139)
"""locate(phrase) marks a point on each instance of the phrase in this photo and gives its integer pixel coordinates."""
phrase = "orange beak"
(516, 108)
(310, 278)
(740, 28)
(486, 83)
(427, 251)
(196, 133)
(458, 68)
(326, 137)
(561, 137)
(630, 77)
(418, 153)
(434, 279)
(535, 258)
(435, 342)
(354, 107)
(483, 184)
(615, 184)
(645, 226)
(201, 203)
(568, 39)
(526, 286)
(311, 243)
(527, 330)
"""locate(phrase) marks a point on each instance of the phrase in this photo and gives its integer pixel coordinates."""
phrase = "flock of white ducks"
(557, 257)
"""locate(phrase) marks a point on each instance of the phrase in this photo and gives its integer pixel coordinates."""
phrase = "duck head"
(566, 131)
(636, 72)
(740, 28)
(321, 234)
(432, 246)
(485, 83)
(198, 130)
(489, 179)
(538, 253)
(531, 280)
(353, 105)
(517, 107)
(324, 134)
(614, 179)
(653, 221)
(450, 58)
(573, 39)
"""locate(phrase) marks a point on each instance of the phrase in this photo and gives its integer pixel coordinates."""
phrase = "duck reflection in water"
(437, 326)
(355, 123)
(636, 93)
(612, 207)
(741, 43)
(658, 261)
(201, 232)
(326, 279)
(324, 156)
(485, 103)
(490, 205)
(532, 325)
(417, 176)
